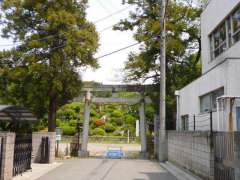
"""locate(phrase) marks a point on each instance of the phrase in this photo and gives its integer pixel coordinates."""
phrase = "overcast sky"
(110, 71)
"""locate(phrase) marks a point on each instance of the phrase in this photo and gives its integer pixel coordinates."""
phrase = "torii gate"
(114, 99)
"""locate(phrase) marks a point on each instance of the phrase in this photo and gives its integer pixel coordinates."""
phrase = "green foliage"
(183, 47)
(68, 130)
(73, 123)
(117, 113)
(55, 39)
(129, 119)
(109, 128)
(117, 121)
(98, 132)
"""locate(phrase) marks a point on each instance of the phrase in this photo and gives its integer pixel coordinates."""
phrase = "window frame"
(213, 95)
(232, 36)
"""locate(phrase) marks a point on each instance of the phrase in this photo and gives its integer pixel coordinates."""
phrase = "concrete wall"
(226, 75)
(213, 15)
(192, 150)
(7, 155)
(36, 144)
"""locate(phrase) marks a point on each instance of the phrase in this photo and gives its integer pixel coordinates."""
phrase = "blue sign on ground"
(114, 153)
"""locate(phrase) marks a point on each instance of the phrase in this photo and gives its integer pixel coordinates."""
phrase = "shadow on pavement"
(158, 176)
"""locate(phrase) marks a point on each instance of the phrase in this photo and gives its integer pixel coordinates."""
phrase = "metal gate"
(22, 154)
(1, 154)
(45, 150)
(226, 155)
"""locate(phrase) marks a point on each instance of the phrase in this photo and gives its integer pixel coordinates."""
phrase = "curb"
(179, 173)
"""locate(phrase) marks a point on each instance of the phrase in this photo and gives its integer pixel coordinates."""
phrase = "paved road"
(106, 169)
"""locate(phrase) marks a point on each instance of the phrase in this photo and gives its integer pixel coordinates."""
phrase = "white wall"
(225, 75)
(213, 15)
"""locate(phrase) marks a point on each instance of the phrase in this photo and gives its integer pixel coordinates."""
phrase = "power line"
(116, 51)
(103, 6)
(97, 21)
(110, 15)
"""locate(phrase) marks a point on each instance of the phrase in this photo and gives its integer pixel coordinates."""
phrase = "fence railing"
(102, 139)
(226, 155)
(201, 122)
(22, 154)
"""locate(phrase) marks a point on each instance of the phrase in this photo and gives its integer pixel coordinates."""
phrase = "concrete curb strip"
(179, 173)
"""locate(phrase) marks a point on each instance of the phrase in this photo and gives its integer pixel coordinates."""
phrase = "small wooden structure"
(16, 113)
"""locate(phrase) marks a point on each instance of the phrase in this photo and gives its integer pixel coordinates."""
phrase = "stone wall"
(192, 150)
(7, 155)
(36, 145)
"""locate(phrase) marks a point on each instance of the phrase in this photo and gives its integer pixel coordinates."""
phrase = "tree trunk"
(52, 116)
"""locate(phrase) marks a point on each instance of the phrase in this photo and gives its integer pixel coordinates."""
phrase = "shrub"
(109, 128)
(58, 122)
(68, 130)
(73, 123)
(129, 119)
(98, 131)
(117, 113)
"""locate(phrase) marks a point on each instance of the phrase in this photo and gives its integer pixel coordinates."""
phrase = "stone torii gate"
(87, 99)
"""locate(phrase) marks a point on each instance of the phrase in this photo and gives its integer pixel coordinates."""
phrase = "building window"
(219, 43)
(236, 25)
(208, 102)
(185, 122)
(226, 34)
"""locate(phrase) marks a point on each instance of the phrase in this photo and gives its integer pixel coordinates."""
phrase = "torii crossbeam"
(87, 99)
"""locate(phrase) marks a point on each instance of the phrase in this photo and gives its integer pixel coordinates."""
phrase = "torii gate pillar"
(84, 152)
(143, 129)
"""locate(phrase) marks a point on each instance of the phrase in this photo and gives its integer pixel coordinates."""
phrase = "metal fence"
(102, 139)
(201, 122)
(22, 154)
(226, 147)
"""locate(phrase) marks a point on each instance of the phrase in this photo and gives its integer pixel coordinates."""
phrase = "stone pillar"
(7, 155)
(84, 152)
(143, 129)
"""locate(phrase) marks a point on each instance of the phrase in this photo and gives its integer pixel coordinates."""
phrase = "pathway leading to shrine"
(108, 169)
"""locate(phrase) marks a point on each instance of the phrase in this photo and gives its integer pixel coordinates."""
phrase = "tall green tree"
(54, 40)
(183, 46)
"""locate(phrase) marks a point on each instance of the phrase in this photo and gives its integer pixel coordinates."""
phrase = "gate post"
(7, 155)
(84, 152)
(143, 129)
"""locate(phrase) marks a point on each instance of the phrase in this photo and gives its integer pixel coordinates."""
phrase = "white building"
(220, 33)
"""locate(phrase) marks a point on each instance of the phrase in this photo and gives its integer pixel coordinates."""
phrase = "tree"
(54, 40)
(183, 46)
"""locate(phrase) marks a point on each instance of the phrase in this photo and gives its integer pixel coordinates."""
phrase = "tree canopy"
(183, 46)
(53, 39)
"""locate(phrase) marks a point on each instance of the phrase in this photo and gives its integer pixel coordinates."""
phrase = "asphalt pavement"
(108, 169)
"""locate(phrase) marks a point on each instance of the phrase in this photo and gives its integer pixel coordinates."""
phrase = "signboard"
(58, 134)
(58, 137)
(137, 128)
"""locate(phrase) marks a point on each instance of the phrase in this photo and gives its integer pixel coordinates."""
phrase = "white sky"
(110, 71)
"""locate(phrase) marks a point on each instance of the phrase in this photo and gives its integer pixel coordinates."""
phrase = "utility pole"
(162, 105)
